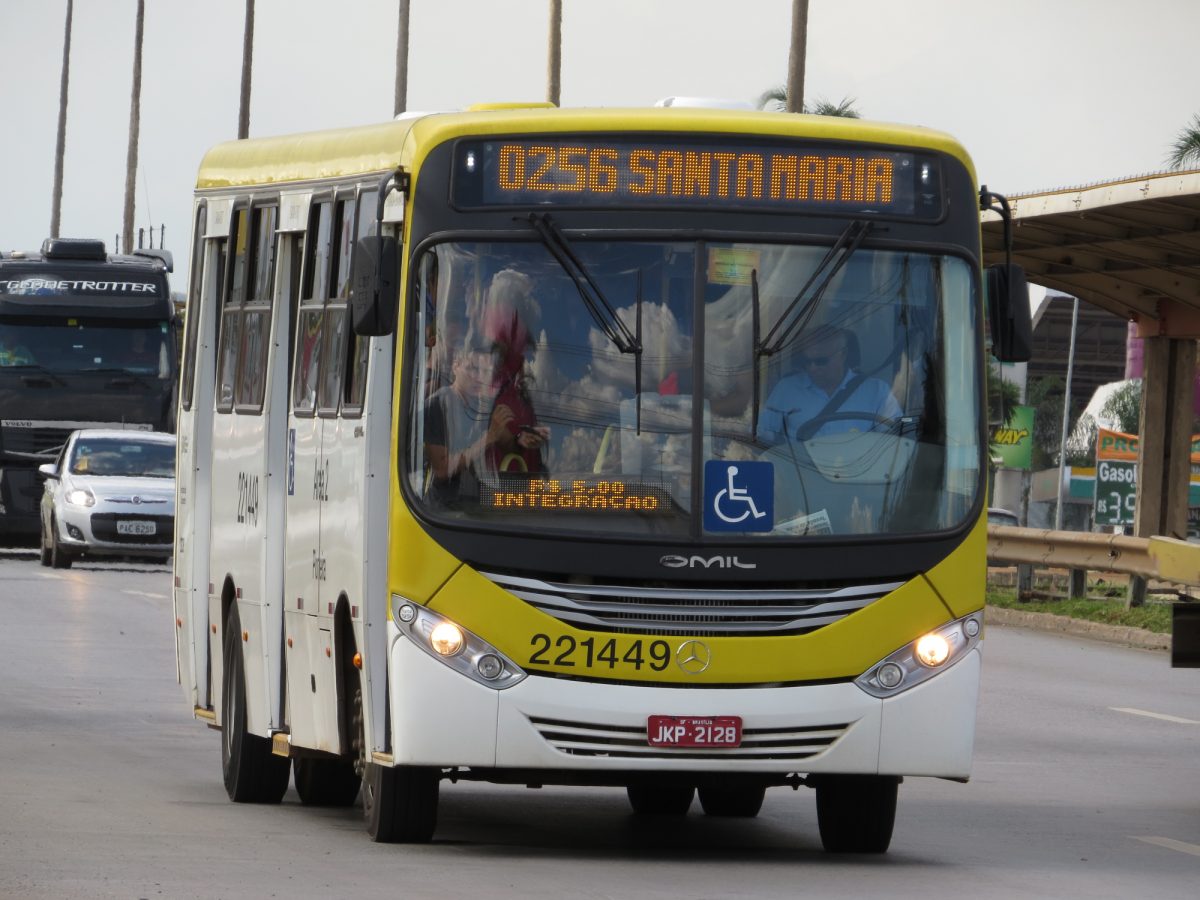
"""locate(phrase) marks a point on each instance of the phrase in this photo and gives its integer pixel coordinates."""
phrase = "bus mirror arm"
(1007, 292)
(375, 273)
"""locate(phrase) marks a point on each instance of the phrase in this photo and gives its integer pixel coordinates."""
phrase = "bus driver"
(826, 392)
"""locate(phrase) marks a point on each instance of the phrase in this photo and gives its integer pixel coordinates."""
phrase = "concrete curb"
(1098, 631)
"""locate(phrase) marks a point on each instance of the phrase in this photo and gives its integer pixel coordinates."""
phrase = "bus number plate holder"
(694, 731)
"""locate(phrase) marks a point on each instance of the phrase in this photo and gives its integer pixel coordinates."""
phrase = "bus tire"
(400, 804)
(659, 799)
(856, 813)
(743, 801)
(325, 782)
(252, 773)
(59, 558)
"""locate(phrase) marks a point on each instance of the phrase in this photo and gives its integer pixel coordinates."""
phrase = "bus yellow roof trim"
(378, 148)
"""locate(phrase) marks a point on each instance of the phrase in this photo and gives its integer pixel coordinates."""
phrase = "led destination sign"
(600, 171)
(579, 495)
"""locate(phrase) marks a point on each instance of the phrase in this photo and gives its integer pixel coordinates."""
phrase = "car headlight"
(923, 658)
(450, 643)
(81, 497)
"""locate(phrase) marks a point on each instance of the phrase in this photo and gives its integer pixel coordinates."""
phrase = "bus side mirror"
(1008, 313)
(375, 285)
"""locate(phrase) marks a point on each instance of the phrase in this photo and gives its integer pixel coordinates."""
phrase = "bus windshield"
(70, 346)
(739, 403)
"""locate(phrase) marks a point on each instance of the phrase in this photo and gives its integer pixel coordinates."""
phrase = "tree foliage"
(1185, 152)
(775, 99)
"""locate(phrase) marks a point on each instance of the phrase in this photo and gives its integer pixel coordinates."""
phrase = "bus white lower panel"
(930, 730)
(441, 718)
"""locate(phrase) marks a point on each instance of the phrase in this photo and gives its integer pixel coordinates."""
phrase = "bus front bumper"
(441, 718)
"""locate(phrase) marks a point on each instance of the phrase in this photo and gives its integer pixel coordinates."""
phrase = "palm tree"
(135, 122)
(1186, 149)
(776, 99)
(60, 147)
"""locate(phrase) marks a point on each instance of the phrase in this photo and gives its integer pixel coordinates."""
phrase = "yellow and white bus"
(640, 448)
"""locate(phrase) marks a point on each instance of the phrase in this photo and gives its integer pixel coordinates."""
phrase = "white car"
(110, 493)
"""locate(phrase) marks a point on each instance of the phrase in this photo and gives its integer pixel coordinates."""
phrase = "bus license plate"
(694, 731)
(135, 527)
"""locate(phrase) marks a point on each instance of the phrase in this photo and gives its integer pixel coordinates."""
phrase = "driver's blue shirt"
(796, 400)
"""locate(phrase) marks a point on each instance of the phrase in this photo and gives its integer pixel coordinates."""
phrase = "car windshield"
(125, 457)
(749, 391)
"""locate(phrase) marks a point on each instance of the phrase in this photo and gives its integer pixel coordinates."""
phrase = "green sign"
(1013, 442)
(1116, 492)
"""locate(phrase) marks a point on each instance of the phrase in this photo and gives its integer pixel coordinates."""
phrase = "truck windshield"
(863, 420)
(69, 346)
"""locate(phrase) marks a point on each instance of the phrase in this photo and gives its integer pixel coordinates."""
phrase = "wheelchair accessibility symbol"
(739, 496)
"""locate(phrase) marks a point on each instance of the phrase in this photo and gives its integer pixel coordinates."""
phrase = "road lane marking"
(150, 594)
(1170, 844)
(1153, 715)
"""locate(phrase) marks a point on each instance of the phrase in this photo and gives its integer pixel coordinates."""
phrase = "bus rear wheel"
(252, 773)
(660, 799)
(742, 801)
(856, 813)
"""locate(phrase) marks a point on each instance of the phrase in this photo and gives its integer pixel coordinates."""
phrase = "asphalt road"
(1086, 784)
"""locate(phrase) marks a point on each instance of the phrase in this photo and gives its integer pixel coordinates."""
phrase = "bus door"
(311, 674)
(194, 437)
(240, 474)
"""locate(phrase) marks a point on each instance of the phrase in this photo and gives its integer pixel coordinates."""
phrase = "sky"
(1042, 93)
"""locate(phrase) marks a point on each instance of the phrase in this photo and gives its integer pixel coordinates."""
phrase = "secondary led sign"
(597, 170)
(579, 495)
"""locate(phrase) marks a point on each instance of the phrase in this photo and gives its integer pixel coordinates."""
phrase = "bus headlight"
(923, 658)
(450, 643)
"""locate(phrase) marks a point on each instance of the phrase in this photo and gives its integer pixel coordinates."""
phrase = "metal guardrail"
(1157, 558)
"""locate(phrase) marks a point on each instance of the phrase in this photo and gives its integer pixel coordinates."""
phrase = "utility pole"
(795, 81)
(135, 119)
(247, 66)
(554, 58)
(402, 59)
(60, 148)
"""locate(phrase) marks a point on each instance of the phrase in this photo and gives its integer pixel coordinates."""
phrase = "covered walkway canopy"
(1131, 247)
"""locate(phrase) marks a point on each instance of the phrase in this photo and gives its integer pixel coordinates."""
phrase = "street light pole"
(61, 145)
(795, 81)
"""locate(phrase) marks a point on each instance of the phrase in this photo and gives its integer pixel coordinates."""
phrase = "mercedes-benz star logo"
(693, 657)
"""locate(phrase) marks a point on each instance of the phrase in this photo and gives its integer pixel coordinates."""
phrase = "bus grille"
(689, 611)
(630, 742)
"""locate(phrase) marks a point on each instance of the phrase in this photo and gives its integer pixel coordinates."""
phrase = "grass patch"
(1154, 615)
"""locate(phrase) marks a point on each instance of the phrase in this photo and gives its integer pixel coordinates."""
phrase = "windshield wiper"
(593, 298)
(597, 305)
(831, 263)
(40, 370)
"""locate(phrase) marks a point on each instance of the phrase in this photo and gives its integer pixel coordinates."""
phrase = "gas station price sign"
(1116, 492)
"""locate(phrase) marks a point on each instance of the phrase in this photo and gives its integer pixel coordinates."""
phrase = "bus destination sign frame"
(611, 171)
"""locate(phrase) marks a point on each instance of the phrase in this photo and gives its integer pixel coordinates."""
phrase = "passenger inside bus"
(828, 395)
(465, 427)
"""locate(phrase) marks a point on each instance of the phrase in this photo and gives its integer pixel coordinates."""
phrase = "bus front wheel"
(400, 803)
(660, 799)
(856, 813)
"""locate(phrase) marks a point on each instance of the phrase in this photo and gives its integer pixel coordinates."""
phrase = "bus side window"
(337, 325)
(314, 277)
(192, 310)
(354, 379)
(231, 320)
(256, 312)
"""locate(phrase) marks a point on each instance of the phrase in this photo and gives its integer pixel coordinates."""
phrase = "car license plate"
(135, 527)
(694, 731)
